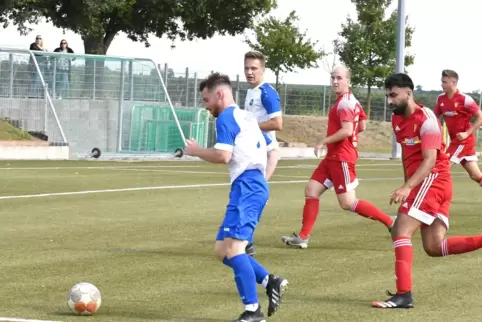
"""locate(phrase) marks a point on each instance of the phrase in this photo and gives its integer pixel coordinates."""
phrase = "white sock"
(251, 307)
(265, 281)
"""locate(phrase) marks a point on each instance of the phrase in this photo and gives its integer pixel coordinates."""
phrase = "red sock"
(367, 210)
(480, 181)
(310, 212)
(403, 263)
(460, 244)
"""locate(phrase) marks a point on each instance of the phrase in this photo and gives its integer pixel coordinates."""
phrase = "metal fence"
(106, 102)
(86, 100)
(296, 99)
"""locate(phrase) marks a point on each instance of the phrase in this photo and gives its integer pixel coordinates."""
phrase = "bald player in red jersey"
(426, 195)
(337, 169)
(457, 109)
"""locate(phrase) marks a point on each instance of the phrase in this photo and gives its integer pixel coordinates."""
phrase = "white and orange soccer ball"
(84, 299)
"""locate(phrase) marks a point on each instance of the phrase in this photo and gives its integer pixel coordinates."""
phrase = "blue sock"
(259, 271)
(237, 280)
(245, 278)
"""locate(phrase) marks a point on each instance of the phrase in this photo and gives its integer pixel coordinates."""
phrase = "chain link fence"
(123, 104)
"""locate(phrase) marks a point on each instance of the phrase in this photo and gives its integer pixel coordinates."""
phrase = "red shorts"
(429, 200)
(336, 174)
(461, 153)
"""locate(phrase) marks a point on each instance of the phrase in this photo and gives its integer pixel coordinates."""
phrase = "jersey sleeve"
(471, 105)
(430, 134)
(270, 100)
(226, 131)
(346, 110)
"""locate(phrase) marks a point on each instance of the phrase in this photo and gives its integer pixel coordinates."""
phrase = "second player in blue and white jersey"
(264, 102)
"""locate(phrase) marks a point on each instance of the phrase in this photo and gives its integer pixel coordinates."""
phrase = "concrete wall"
(34, 153)
(86, 123)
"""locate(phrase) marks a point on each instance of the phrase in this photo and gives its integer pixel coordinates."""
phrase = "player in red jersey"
(426, 195)
(337, 169)
(457, 109)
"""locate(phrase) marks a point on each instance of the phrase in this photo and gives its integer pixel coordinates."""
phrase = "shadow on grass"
(136, 316)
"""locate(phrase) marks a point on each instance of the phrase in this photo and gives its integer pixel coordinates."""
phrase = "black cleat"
(249, 316)
(397, 301)
(250, 250)
(275, 290)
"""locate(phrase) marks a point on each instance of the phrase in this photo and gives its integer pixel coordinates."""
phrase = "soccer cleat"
(249, 316)
(250, 250)
(397, 301)
(275, 290)
(295, 240)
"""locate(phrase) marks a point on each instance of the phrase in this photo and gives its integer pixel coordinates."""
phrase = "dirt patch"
(309, 129)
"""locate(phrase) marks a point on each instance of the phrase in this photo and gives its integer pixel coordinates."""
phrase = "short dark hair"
(214, 80)
(399, 80)
(450, 73)
(255, 55)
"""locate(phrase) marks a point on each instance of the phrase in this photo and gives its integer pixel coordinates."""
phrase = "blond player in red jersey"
(457, 109)
(426, 195)
(337, 169)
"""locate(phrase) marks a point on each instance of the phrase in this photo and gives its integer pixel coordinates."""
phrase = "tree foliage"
(368, 46)
(98, 22)
(284, 45)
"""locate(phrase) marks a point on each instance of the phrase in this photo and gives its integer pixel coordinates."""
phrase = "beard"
(400, 108)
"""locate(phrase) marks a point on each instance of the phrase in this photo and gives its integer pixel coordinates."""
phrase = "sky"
(443, 39)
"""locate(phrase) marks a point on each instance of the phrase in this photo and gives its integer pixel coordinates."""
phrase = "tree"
(419, 88)
(284, 46)
(329, 65)
(98, 22)
(368, 46)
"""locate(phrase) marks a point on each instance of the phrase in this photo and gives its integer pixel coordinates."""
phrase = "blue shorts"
(247, 199)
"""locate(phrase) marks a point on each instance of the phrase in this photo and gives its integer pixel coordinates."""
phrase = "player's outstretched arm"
(226, 129)
(219, 154)
(271, 102)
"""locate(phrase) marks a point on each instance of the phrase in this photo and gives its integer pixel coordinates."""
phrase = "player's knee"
(219, 250)
(432, 248)
(313, 189)
(475, 176)
(234, 247)
(345, 205)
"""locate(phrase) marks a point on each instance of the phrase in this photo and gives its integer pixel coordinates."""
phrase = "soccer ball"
(84, 299)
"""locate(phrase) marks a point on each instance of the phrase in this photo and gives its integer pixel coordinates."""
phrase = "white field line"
(85, 192)
(105, 167)
(23, 320)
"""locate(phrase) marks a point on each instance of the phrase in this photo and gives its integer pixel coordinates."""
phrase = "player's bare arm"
(429, 159)
(343, 133)
(207, 154)
(405, 177)
(362, 126)
(275, 124)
